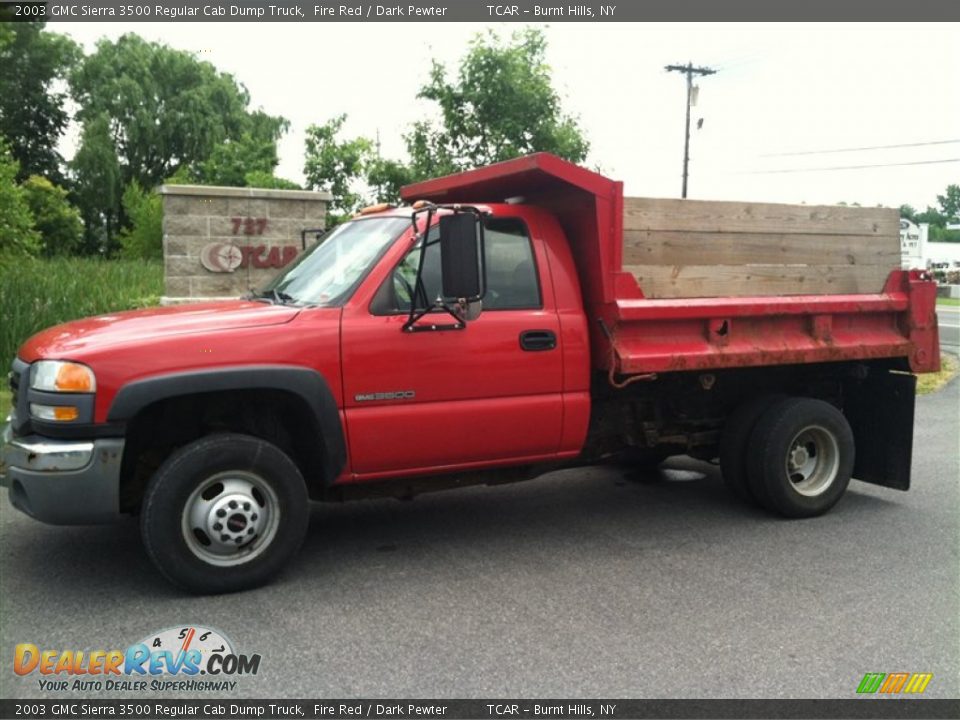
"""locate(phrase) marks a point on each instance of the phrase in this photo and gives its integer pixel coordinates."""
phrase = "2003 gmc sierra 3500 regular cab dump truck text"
(514, 319)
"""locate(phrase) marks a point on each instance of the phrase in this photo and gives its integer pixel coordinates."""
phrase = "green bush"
(144, 238)
(261, 179)
(54, 218)
(17, 234)
(36, 293)
(942, 234)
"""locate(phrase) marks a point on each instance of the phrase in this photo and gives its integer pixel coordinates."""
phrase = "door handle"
(536, 340)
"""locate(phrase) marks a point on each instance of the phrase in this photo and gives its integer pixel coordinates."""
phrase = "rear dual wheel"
(735, 444)
(799, 456)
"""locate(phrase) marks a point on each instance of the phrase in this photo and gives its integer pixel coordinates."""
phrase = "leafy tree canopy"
(500, 105)
(32, 113)
(334, 165)
(165, 108)
(950, 204)
(255, 151)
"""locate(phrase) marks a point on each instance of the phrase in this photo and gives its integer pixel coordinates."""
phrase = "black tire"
(801, 457)
(735, 441)
(261, 495)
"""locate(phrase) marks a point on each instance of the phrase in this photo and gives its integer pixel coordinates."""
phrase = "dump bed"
(688, 284)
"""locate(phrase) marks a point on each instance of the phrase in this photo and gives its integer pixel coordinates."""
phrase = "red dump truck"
(509, 321)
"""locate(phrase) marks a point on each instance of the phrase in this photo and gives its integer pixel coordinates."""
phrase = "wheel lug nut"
(224, 538)
(239, 540)
(233, 504)
(253, 517)
(250, 531)
(221, 512)
(217, 526)
(246, 506)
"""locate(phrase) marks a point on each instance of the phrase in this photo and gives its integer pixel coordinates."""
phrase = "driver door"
(439, 400)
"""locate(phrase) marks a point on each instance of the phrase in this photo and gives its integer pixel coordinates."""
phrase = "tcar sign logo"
(220, 257)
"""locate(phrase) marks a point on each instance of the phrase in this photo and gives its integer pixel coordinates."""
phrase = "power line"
(858, 149)
(689, 70)
(847, 167)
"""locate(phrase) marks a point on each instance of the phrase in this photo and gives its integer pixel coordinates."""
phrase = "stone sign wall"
(220, 242)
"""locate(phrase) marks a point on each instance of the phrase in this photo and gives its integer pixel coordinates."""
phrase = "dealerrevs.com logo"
(188, 658)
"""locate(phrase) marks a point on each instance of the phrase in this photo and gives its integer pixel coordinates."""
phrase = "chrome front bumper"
(63, 482)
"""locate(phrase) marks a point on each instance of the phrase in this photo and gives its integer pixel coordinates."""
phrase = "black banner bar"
(69, 709)
(525, 11)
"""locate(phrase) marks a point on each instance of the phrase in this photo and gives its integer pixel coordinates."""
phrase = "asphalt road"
(580, 584)
(948, 318)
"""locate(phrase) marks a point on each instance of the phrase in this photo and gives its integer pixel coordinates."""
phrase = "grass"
(37, 293)
(4, 406)
(931, 382)
(948, 301)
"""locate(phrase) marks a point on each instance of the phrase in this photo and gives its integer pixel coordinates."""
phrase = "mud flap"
(880, 411)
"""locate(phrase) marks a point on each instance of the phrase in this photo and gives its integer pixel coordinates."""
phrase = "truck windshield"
(328, 273)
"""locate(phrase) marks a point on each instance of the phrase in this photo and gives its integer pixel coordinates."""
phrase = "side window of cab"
(512, 280)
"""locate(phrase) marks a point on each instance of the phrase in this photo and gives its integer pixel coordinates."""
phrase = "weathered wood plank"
(664, 247)
(741, 217)
(690, 281)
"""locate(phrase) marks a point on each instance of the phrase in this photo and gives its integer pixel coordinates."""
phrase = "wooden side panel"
(695, 248)
(665, 247)
(718, 216)
(679, 281)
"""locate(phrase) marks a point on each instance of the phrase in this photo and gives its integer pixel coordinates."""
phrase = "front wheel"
(801, 457)
(224, 513)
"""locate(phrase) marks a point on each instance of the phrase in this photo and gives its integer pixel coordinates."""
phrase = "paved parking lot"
(948, 317)
(585, 583)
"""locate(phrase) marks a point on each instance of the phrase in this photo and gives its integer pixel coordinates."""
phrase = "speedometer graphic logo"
(179, 640)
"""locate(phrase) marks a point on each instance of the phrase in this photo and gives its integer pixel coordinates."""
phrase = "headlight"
(62, 376)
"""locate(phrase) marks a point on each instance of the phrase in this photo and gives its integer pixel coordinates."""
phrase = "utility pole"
(689, 70)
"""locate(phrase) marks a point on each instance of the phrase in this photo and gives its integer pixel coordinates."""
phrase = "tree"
(97, 184)
(908, 212)
(165, 108)
(32, 113)
(335, 165)
(501, 105)
(950, 204)
(55, 219)
(17, 234)
(386, 177)
(255, 151)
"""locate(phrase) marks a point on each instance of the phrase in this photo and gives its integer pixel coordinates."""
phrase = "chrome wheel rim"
(230, 518)
(813, 461)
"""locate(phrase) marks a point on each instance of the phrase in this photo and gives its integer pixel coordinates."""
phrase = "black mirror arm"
(420, 292)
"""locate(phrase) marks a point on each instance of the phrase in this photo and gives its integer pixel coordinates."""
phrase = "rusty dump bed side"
(672, 285)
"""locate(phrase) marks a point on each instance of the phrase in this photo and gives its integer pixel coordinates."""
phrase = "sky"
(783, 94)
